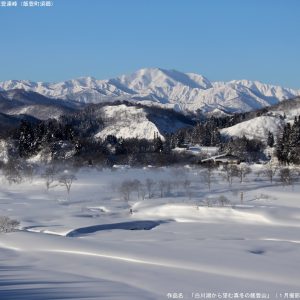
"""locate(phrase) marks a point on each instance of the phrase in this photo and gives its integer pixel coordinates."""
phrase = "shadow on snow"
(132, 225)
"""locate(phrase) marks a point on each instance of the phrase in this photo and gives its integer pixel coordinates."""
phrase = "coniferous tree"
(26, 139)
(270, 140)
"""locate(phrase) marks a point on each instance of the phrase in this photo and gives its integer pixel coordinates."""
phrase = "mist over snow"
(146, 182)
(175, 238)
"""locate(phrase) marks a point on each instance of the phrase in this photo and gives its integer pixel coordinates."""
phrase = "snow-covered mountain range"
(182, 91)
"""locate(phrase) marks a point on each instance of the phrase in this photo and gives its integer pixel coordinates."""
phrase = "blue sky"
(220, 39)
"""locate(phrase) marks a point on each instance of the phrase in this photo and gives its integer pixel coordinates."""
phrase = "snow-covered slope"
(256, 128)
(273, 120)
(187, 91)
(19, 102)
(137, 122)
(41, 112)
(127, 122)
(269, 91)
(289, 109)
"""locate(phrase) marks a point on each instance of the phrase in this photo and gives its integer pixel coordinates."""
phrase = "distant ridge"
(182, 91)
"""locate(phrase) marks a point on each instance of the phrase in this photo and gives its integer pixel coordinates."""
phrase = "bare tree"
(169, 185)
(150, 187)
(207, 201)
(12, 171)
(49, 175)
(230, 171)
(7, 224)
(131, 159)
(126, 188)
(28, 171)
(143, 192)
(243, 170)
(187, 187)
(162, 185)
(207, 176)
(270, 170)
(223, 200)
(287, 176)
(137, 185)
(67, 179)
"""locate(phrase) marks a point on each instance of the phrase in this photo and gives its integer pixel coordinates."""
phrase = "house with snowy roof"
(225, 158)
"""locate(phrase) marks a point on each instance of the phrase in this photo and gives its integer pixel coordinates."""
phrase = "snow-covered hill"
(19, 102)
(256, 128)
(272, 119)
(137, 122)
(289, 109)
(186, 91)
(127, 122)
(41, 112)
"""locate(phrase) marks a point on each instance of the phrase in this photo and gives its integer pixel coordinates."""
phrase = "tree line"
(288, 144)
(71, 137)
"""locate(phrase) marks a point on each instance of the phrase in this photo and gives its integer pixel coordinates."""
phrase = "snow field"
(92, 247)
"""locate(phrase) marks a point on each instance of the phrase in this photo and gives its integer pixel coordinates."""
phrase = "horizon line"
(146, 68)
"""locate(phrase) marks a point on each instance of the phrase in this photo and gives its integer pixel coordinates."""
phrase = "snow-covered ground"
(92, 247)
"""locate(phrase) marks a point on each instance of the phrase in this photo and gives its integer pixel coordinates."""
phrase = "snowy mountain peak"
(154, 78)
(83, 81)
